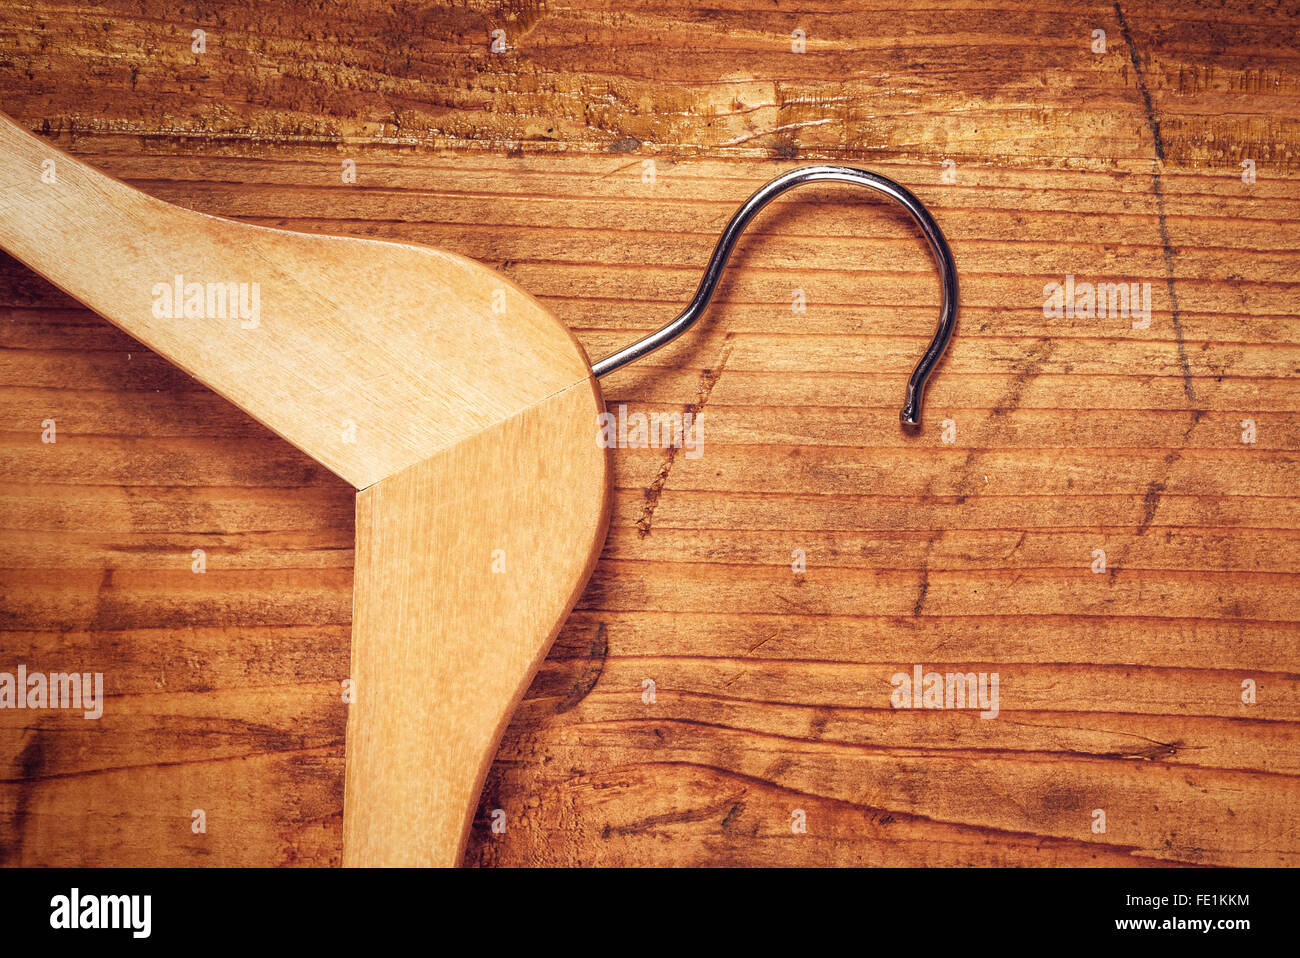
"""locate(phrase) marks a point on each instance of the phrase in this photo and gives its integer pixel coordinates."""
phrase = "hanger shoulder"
(369, 356)
(467, 565)
(465, 414)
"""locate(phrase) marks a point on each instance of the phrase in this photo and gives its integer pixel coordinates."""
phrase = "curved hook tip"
(910, 414)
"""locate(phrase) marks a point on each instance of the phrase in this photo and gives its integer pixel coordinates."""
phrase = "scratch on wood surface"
(732, 814)
(924, 588)
(1156, 489)
(30, 761)
(785, 128)
(1015, 548)
(965, 482)
(594, 666)
(1009, 402)
(727, 808)
(708, 379)
(1157, 167)
(1151, 498)
(1154, 750)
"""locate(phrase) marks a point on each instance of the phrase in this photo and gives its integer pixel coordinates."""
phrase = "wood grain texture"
(1012, 84)
(1120, 690)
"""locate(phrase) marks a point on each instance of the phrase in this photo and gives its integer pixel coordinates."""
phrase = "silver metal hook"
(911, 412)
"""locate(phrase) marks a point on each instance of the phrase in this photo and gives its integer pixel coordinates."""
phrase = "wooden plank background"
(1120, 691)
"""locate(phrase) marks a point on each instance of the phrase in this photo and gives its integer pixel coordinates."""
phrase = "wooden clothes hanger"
(463, 412)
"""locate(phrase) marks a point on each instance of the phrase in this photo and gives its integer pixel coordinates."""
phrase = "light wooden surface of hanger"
(462, 411)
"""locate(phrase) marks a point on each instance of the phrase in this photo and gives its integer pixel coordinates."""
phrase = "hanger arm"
(467, 566)
(369, 356)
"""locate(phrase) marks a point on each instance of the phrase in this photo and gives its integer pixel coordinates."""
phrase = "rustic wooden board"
(1120, 691)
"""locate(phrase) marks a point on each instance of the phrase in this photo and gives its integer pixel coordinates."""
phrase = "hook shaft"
(911, 412)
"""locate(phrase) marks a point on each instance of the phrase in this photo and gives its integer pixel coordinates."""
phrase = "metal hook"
(911, 412)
